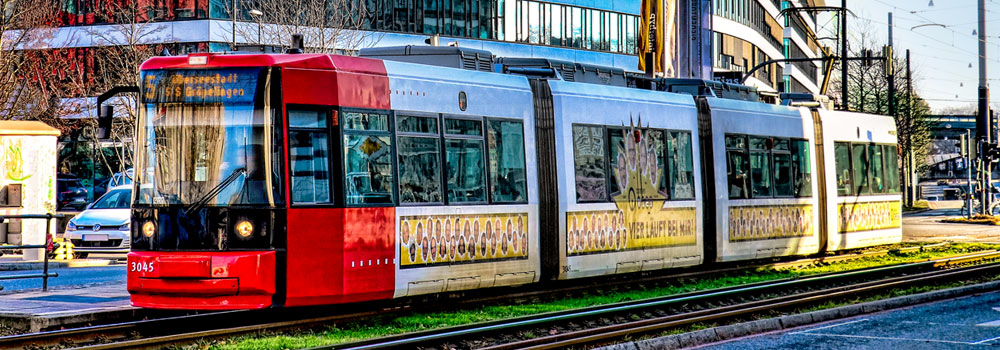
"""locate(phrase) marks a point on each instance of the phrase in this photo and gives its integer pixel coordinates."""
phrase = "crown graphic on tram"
(272, 180)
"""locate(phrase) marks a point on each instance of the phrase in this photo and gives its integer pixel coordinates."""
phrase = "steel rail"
(413, 339)
(593, 335)
(120, 330)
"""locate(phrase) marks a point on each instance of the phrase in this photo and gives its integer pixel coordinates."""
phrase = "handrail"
(46, 247)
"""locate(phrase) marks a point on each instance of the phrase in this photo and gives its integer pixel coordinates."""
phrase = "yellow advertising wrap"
(429, 240)
(855, 217)
(640, 220)
(607, 231)
(753, 223)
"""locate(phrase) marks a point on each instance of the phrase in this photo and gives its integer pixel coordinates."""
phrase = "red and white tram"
(307, 179)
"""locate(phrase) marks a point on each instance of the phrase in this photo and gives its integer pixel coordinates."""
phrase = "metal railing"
(45, 275)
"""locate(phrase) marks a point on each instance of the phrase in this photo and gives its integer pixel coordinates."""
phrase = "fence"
(47, 247)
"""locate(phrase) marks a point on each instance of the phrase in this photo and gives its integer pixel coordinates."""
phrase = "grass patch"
(979, 219)
(418, 321)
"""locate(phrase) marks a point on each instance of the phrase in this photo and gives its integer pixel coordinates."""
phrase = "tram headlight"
(148, 229)
(244, 228)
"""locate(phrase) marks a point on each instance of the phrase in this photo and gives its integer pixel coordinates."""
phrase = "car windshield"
(114, 199)
(205, 139)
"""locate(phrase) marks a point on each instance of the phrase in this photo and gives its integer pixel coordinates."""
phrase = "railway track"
(607, 323)
(157, 333)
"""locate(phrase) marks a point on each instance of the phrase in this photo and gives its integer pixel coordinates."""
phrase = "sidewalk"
(34, 311)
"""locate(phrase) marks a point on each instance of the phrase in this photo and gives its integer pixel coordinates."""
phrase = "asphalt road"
(965, 323)
(924, 226)
(68, 278)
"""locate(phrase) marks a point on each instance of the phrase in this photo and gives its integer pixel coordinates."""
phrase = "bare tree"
(25, 27)
(125, 46)
(328, 26)
(868, 92)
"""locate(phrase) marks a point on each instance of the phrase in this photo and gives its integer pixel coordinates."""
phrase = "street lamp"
(258, 15)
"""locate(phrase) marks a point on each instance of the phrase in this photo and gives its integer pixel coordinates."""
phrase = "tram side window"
(588, 157)
(418, 151)
(842, 152)
(802, 182)
(309, 156)
(465, 161)
(680, 165)
(619, 166)
(508, 176)
(367, 158)
(862, 169)
(891, 169)
(737, 169)
(651, 162)
(877, 169)
(760, 167)
(782, 168)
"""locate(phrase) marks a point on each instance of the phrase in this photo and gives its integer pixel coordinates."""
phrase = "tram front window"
(199, 150)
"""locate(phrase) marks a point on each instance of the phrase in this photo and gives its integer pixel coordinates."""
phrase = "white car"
(104, 226)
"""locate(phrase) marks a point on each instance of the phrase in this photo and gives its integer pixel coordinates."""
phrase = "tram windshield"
(205, 139)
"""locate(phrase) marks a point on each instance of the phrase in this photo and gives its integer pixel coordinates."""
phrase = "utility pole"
(843, 53)
(983, 116)
(891, 74)
(911, 183)
(234, 25)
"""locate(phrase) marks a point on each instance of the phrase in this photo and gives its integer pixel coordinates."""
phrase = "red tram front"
(289, 180)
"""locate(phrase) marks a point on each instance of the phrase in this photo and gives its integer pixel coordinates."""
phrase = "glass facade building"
(750, 32)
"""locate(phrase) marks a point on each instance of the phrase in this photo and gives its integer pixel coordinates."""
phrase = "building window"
(549, 24)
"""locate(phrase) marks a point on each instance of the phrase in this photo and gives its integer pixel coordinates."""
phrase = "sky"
(940, 53)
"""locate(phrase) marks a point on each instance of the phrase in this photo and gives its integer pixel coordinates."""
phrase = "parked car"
(70, 193)
(118, 179)
(104, 226)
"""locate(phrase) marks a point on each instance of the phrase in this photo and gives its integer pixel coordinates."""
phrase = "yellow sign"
(449, 239)
(641, 221)
(753, 223)
(607, 231)
(869, 216)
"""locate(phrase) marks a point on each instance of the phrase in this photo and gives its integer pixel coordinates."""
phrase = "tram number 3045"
(142, 266)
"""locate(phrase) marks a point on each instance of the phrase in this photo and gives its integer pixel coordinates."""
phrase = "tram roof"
(305, 61)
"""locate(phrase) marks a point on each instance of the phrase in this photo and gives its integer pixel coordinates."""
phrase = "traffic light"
(992, 152)
(888, 65)
(867, 55)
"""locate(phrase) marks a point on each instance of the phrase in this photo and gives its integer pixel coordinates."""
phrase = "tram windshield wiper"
(215, 190)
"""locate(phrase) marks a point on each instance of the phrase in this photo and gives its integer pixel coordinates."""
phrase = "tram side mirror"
(104, 117)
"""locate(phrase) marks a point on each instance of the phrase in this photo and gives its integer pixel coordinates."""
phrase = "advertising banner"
(431, 240)
(855, 217)
(751, 223)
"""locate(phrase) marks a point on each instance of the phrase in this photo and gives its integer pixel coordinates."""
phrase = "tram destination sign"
(233, 85)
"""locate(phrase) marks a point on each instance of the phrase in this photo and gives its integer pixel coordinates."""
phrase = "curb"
(718, 334)
(53, 264)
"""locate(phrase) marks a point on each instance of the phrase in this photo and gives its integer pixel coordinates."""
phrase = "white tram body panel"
(761, 226)
(501, 240)
(856, 220)
(638, 228)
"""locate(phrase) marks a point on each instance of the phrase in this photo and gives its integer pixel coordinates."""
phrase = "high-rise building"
(749, 32)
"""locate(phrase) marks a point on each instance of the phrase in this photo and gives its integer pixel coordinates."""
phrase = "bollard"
(45, 253)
